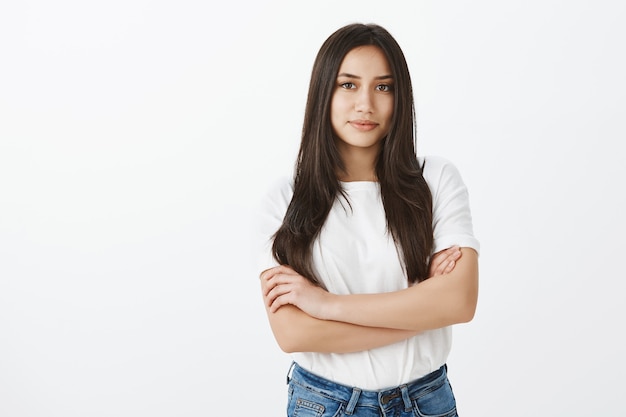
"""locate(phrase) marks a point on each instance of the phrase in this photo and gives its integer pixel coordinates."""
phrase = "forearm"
(296, 331)
(437, 302)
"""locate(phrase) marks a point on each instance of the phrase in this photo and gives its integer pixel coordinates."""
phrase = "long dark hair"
(405, 194)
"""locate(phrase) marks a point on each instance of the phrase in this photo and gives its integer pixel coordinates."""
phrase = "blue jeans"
(310, 395)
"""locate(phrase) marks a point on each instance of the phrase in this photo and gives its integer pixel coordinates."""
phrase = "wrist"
(332, 311)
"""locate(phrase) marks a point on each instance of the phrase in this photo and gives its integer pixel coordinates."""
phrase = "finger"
(287, 288)
(449, 267)
(452, 257)
(440, 262)
(278, 297)
(274, 293)
(280, 279)
(450, 263)
(266, 286)
(269, 273)
(279, 302)
(443, 268)
(434, 264)
(440, 256)
(280, 269)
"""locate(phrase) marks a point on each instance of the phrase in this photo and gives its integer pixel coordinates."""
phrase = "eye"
(384, 88)
(347, 85)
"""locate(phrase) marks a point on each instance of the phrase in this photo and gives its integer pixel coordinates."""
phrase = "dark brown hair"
(405, 194)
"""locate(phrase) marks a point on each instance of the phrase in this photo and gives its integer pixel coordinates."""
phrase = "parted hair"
(405, 195)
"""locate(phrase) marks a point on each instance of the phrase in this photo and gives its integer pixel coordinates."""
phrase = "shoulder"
(275, 199)
(439, 172)
(434, 163)
(272, 206)
(452, 217)
(280, 187)
(277, 194)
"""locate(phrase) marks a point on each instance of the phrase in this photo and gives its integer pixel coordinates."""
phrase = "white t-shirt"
(355, 254)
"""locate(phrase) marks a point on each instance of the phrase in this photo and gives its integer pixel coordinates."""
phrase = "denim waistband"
(354, 396)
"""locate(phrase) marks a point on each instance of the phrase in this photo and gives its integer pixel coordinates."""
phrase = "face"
(362, 102)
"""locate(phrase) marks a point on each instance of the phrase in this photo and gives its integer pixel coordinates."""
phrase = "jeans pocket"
(304, 402)
(438, 402)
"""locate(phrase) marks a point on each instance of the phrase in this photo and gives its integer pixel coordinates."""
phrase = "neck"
(360, 165)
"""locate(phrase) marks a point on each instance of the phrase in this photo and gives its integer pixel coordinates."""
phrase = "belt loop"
(290, 372)
(405, 398)
(356, 392)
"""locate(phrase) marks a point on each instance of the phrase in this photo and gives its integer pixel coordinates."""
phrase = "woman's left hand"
(444, 261)
(282, 285)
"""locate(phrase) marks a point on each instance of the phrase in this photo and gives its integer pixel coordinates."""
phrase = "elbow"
(466, 293)
(286, 344)
(293, 343)
(466, 309)
(467, 300)
(466, 315)
(288, 328)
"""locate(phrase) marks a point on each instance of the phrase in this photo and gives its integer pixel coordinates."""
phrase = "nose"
(364, 101)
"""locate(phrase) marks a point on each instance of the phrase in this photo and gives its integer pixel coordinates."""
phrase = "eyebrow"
(347, 75)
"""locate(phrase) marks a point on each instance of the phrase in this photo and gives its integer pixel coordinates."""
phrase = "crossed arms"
(306, 318)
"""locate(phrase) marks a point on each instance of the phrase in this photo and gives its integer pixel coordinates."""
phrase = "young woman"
(370, 254)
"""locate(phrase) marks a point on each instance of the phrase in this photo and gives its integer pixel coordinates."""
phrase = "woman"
(350, 283)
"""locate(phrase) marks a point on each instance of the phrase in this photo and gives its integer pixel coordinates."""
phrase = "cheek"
(389, 111)
(337, 112)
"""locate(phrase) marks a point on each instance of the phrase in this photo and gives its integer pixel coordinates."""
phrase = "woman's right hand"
(282, 285)
(444, 261)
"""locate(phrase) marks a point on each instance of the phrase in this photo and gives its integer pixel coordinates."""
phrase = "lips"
(363, 125)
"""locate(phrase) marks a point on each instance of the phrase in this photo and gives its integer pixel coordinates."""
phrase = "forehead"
(364, 60)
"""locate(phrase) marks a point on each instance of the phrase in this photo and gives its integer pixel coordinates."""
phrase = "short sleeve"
(452, 217)
(269, 216)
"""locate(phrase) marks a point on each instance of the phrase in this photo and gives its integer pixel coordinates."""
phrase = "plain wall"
(137, 136)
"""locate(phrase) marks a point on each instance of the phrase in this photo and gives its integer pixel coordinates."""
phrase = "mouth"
(363, 125)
